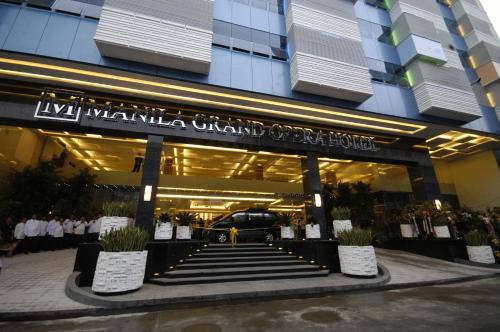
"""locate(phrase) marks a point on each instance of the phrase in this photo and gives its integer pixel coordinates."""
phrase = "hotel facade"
(235, 104)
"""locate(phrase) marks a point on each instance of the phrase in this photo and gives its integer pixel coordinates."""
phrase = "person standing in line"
(68, 232)
(44, 241)
(7, 230)
(32, 233)
(95, 228)
(139, 159)
(58, 235)
(79, 231)
(50, 232)
(19, 237)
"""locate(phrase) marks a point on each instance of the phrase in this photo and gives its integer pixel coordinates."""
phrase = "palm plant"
(285, 219)
(311, 220)
(185, 218)
(164, 218)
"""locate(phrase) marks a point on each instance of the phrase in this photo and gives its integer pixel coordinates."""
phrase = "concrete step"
(239, 277)
(238, 245)
(222, 264)
(196, 272)
(239, 249)
(224, 254)
(219, 259)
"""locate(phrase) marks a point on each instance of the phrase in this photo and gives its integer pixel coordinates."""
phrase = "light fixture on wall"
(148, 192)
(437, 204)
(317, 200)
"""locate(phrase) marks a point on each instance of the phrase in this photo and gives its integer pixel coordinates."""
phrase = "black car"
(260, 225)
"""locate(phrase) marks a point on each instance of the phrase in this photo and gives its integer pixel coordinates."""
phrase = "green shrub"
(185, 218)
(356, 237)
(125, 239)
(341, 213)
(408, 214)
(440, 220)
(285, 219)
(476, 238)
(117, 209)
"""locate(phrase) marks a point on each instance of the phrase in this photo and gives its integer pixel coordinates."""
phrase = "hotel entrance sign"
(69, 106)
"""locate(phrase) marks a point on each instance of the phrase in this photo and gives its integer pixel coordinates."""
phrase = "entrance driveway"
(34, 283)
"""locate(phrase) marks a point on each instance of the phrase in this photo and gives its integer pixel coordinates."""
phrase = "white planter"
(407, 231)
(358, 261)
(119, 271)
(312, 231)
(110, 223)
(287, 232)
(164, 231)
(341, 226)
(442, 232)
(183, 233)
(481, 254)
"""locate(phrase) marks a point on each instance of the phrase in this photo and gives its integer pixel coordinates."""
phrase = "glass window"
(241, 32)
(222, 28)
(260, 37)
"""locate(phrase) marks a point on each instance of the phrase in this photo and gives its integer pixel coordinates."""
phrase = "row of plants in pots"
(356, 253)
(341, 222)
(474, 227)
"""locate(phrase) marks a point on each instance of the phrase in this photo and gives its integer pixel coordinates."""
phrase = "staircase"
(244, 262)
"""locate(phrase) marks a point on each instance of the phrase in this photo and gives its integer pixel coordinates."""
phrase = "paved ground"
(472, 306)
(409, 268)
(35, 282)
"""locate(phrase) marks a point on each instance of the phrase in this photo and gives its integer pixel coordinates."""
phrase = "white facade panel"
(318, 20)
(131, 36)
(330, 78)
(402, 7)
(446, 102)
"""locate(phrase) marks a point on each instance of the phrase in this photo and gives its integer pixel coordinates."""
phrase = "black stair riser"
(191, 274)
(238, 259)
(173, 282)
(240, 254)
(238, 250)
(237, 264)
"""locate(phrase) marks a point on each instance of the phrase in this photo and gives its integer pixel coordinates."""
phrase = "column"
(149, 184)
(424, 181)
(312, 186)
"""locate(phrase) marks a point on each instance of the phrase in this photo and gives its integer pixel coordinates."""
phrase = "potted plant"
(115, 216)
(183, 229)
(356, 253)
(122, 262)
(408, 222)
(312, 228)
(164, 227)
(440, 226)
(285, 221)
(478, 249)
(341, 220)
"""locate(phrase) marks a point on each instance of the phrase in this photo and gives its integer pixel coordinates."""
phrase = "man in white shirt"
(94, 229)
(44, 240)
(19, 237)
(58, 235)
(68, 232)
(50, 231)
(32, 233)
(80, 231)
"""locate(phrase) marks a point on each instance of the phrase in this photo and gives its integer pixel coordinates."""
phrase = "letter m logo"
(60, 105)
